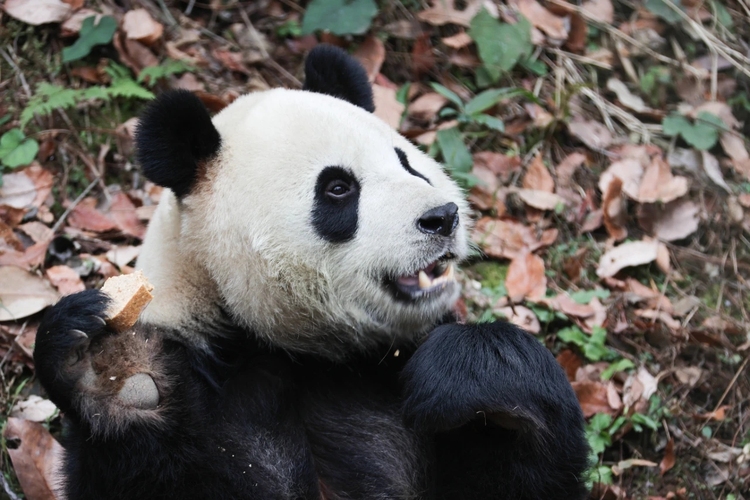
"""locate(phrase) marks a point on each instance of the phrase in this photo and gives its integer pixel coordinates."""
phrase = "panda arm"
(109, 382)
(506, 422)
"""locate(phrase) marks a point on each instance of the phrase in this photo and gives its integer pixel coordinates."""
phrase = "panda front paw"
(491, 372)
(86, 368)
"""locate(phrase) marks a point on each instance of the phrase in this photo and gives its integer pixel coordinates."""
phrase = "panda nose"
(441, 220)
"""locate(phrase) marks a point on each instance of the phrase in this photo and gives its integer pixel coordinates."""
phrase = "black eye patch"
(335, 212)
(405, 163)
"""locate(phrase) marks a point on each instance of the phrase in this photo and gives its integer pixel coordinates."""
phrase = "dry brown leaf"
(387, 107)
(501, 165)
(426, 106)
(371, 53)
(521, 316)
(36, 459)
(17, 191)
(29, 258)
(445, 12)
(538, 177)
(553, 26)
(458, 41)
(639, 387)
(614, 211)
(526, 278)
(483, 195)
(717, 415)
(139, 25)
(689, 375)
(566, 305)
(673, 221)
(592, 396)
(629, 171)
(669, 459)
(659, 185)
(541, 200)
(65, 279)
(713, 171)
(663, 261)
(133, 53)
(34, 409)
(567, 168)
(36, 12)
(422, 56)
(570, 362)
(601, 10)
(189, 81)
(72, 25)
(123, 255)
(232, 61)
(663, 316)
(86, 216)
(592, 133)
(634, 253)
(23, 294)
(122, 212)
(627, 98)
(506, 239)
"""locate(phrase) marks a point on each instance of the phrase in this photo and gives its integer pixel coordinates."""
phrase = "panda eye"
(338, 189)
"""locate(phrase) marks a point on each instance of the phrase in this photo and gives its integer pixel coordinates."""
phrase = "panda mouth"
(430, 280)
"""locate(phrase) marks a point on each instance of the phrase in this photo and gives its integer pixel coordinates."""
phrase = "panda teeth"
(426, 283)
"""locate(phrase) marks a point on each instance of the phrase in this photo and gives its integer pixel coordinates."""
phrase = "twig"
(731, 384)
(8, 490)
(73, 205)
(18, 71)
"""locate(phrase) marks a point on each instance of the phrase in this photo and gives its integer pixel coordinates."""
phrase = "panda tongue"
(413, 279)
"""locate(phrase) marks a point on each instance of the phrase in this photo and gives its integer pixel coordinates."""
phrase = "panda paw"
(490, 372)
(86, 368)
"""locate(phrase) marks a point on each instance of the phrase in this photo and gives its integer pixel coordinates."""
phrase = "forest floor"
(602, 145)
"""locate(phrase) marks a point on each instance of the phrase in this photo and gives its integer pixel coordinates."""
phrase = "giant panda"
(300, 343)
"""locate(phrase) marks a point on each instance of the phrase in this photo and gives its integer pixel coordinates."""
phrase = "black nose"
(441, 220)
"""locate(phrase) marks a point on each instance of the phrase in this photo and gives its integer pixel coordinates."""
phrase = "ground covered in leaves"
(602, 145)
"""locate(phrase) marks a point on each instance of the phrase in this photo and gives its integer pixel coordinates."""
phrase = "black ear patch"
(174, 136)
(330, 70)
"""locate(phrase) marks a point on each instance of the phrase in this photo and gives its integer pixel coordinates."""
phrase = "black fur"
(405, 163)
(330, 70)
(175, 136)
(335, 219)
(479, 412)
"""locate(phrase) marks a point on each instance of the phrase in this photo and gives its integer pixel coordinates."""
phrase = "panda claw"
(78, 334)
(99, 320)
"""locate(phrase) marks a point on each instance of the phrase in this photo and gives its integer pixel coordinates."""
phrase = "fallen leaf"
(639, 386)
(629, 254)
(659, 185)
(526, 278)
(627, 98)
(122, 212)
(231, 60)
(72, 25)
(565, 304)
(553, 26)
(629, 171)
(713, 171)
(133, 53)
(538, 177)
(65, 279)
(458, 41)
(426, 106)
(689, 375)
(669, 459)
(122, 256)
(592, 396)
(673, 221)
(17, 190)
(506, 239)
(371, 54)
(718, 415)
(139, 25)
(567, 168)
(29, 258)
(23, 294)
(387, 107)
(662, 316)
(444, 12)
(623, 465)
(541, 200)
(521, 316)
(614, 211)
(34, 409)
(662, 258)
(600, 10)
(570, 362)
(36, 459)
(86, 216)
(502, 165)
(36, 12)
(592, 133)
(422, 55)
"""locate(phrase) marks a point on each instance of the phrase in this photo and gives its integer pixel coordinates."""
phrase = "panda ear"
(175, 136)
(330, 70)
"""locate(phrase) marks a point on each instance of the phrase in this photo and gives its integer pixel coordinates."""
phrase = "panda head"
(320, 228)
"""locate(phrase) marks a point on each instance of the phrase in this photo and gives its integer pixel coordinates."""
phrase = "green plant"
(340, 17)
(17, 150)
(90, 36)
(592, 345)
(152, 74)
(702, 134)
(501, 46)
(290, 28)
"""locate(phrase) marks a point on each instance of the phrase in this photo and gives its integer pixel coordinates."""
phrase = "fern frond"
(48, 97)
(169, 67)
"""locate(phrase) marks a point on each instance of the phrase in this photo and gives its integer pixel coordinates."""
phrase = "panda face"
(317, 219)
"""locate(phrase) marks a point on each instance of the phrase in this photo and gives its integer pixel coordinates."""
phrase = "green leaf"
(152, 74)
(485, 101)
(500, 45)
(723, 15)
(661, 9)
(619, 366)
(402, 95)
(491, 122)
(340, 17)
(47, 99)
(16, 149)
(674, 124)
(573, 335)
(703, 134)
(90, 36)
(123, 85)
(639, 419)
(448, 94)
(586, 296)
(455, 152)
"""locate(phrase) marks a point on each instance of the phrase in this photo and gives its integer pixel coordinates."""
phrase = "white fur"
(244, 235)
